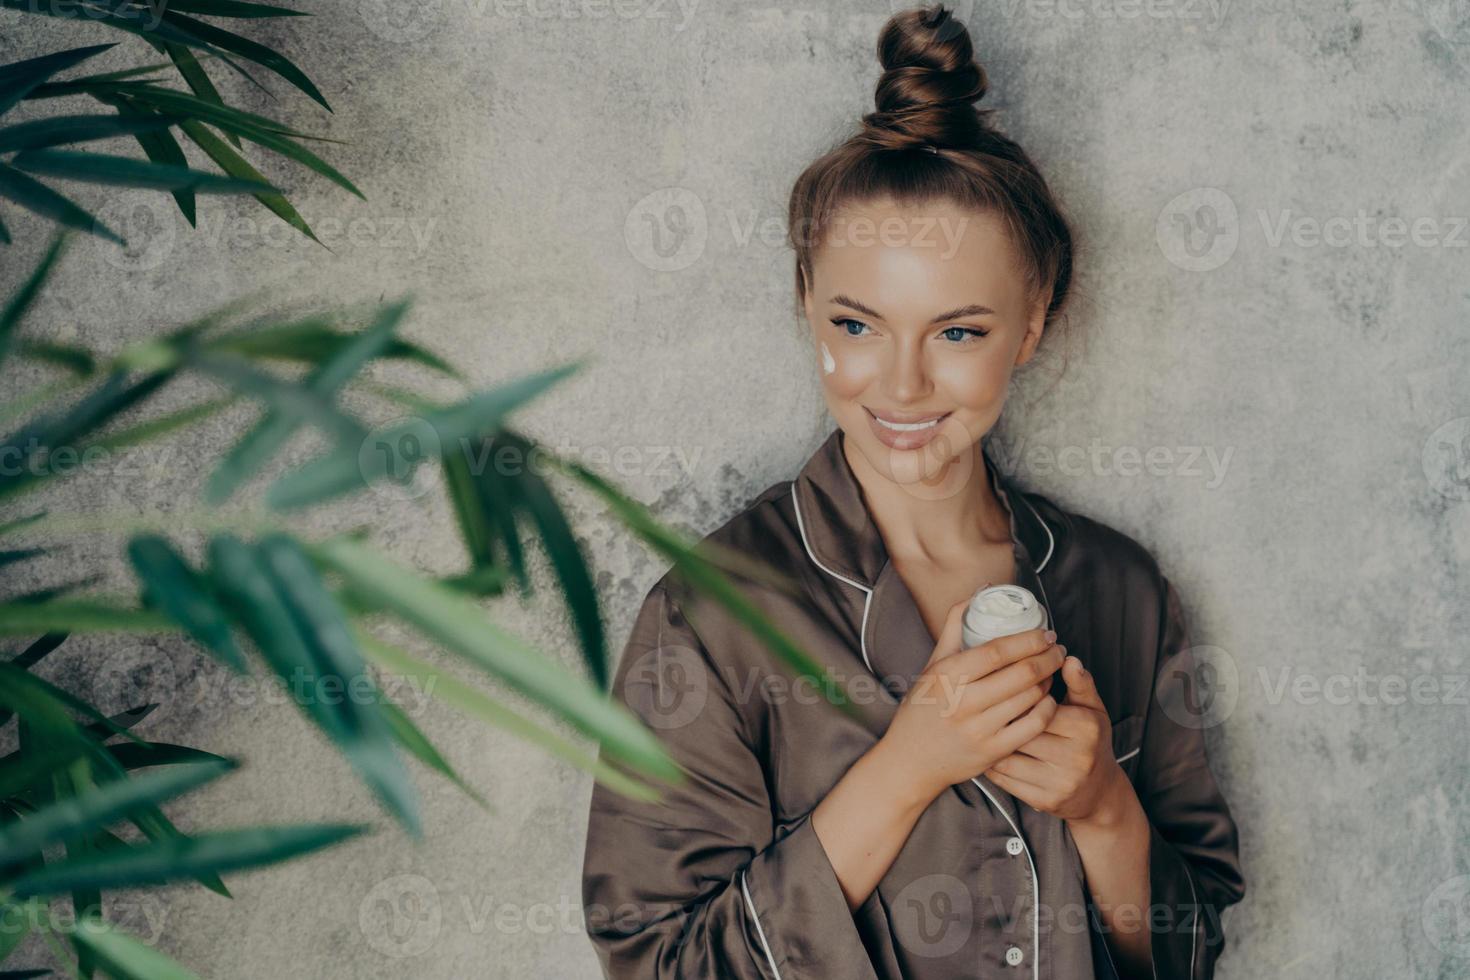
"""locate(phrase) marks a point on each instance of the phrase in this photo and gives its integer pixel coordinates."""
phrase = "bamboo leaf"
(268, 435)
(19, 79)
(196, 77)
(79, 616)
(354, 720)
(180, 593)
(417, 744)
(101, 805)
(115, 171)
(122, 956)
(567, 559)
(248, 49)
(162, 862)
(61, 130)
(480, 706)
(132, 756)
(233, 8)
(270, 135)
(35, 196)
(237, 166)
(455, 621)
(345, 468)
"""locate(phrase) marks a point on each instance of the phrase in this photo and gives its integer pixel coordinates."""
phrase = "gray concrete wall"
(1272, 198)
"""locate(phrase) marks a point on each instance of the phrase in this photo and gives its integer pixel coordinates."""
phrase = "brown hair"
(925, 99)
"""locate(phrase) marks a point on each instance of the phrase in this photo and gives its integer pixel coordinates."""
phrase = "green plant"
(302, 611)
(149, 111)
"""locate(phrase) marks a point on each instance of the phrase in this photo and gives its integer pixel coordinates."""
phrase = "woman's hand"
(1068, 770)
(970, 708)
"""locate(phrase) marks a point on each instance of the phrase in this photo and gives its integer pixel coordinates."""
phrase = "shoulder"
(763, 538)
(1084, 547)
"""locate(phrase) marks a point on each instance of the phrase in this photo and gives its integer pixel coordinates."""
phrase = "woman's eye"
(963, 335)
(845, 325)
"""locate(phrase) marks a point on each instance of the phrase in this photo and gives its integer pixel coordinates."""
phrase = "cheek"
(973, 382)
(847, 373)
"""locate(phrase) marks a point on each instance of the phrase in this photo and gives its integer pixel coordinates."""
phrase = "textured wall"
(1267, 387)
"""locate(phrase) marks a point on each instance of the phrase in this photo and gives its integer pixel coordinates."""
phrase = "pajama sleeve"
(703, 883)
(1194, 863)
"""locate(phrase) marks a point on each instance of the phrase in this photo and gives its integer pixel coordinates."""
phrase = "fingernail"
(1051, 636)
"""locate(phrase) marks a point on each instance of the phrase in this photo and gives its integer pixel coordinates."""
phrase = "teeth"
(907, 426)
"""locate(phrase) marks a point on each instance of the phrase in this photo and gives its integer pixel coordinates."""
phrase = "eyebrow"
(973, 309)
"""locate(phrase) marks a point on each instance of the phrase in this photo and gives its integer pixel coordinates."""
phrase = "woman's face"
(918, 312)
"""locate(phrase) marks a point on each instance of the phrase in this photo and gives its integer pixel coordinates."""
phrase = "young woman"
(973, 816)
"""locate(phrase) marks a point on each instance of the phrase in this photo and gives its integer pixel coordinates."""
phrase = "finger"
(994, 688)
(1017, 765)
(1028, 793)
(1048, 747)
(1081, 687)
(1031, 724)
(976, 662)
(997, 716)
(949, 637)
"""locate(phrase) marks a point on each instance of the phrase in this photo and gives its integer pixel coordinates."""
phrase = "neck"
(936, 520)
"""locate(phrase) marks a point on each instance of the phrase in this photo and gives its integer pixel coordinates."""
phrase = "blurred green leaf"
(354, 720)
(281, 421)
(123, 956)
(235, 165)
(35, 196)
(480, 706)
(61, 130)
(19, 79)
(79, 616)
(455, 621)
(115, 171)
(313, 340)
(158, 863)
(692, 564)
(21, 301)
(346, 468)
(180, 592)
(102, 805)
(417, 744)
(248, 49)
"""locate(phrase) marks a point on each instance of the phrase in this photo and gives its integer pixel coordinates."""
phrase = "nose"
(907, 377)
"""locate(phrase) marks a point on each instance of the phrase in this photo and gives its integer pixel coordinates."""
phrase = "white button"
(1014, 846)
(1013, 956)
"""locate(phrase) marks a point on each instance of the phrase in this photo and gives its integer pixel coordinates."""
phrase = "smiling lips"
(897, 432)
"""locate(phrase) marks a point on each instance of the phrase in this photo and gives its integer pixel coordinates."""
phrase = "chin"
(940, 467)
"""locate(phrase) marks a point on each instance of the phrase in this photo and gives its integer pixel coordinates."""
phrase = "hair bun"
(930, 83)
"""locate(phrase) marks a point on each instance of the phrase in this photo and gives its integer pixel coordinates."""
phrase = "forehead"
(920, 254)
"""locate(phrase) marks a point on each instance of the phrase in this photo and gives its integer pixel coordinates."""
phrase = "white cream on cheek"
(829, 363)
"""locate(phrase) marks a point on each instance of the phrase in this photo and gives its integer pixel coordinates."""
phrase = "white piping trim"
(1035, 884)
(1128, 755)
(765, 946)
(863, 641)
(1051, 542)
(863, 629)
